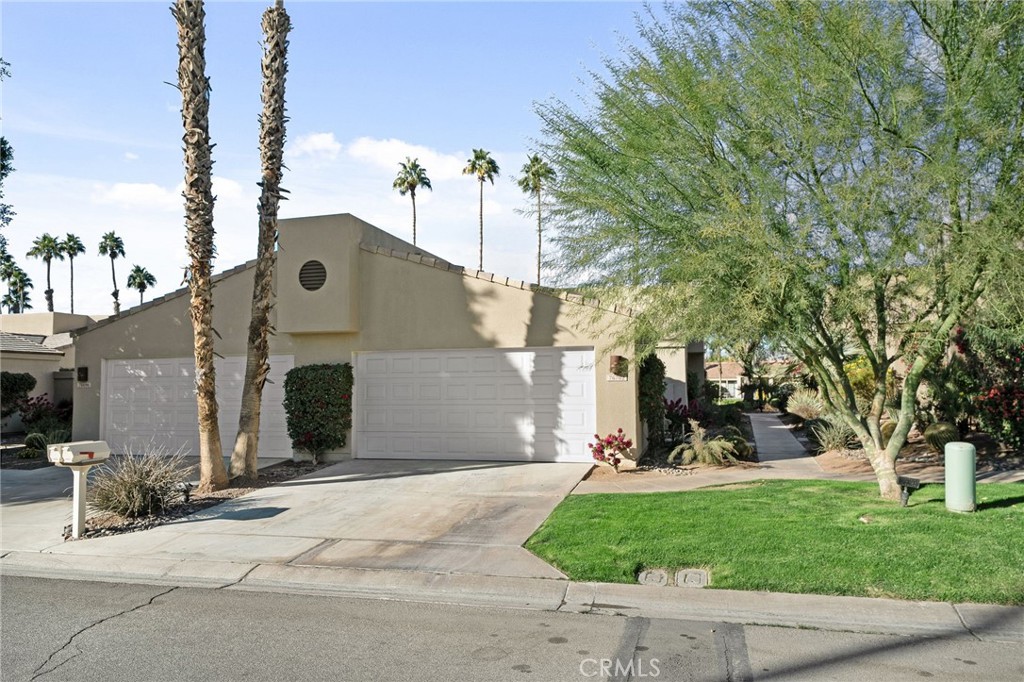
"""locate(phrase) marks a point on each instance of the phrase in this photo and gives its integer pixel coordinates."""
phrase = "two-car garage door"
(153, 402)
(533, 404)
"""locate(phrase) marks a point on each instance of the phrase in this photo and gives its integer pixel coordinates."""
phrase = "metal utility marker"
(79, 456)
(961, 460)
(907, 485)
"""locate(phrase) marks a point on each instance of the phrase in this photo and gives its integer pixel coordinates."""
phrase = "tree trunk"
(49, 289)
(481, 224)
(244, 457)
(72, 263)
(538, 235)
(412, 193)
(195, 106)
(885, 471)
(113, 277)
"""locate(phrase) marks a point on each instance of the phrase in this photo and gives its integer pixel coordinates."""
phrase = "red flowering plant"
(611, 448)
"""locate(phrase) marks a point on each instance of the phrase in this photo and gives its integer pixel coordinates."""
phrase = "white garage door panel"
(532, 405)
(152, 402)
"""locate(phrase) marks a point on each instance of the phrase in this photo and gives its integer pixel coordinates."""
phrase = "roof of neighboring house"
(25, 343)
(730, 371)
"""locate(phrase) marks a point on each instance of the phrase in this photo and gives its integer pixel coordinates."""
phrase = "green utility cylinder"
(961, 459)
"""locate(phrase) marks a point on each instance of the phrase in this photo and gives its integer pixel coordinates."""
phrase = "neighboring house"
(449, 363)
(40, 344)
(728, 376)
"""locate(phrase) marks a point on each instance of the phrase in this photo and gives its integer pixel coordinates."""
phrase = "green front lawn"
(799, 536)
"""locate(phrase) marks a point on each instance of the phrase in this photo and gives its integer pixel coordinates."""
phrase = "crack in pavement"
(39, 672)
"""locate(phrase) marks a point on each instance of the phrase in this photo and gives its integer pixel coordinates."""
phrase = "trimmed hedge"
(318, 404)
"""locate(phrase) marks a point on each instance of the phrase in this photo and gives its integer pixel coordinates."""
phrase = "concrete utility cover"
(692, 577)
(654, 576)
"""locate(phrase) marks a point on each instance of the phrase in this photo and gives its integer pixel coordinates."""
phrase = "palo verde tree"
(484, 167)
(536, 174)
(195, 117)
(411, 175)
(844, 177)
(276, 25)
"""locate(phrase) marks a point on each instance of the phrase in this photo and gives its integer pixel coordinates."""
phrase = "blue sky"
(96, 128)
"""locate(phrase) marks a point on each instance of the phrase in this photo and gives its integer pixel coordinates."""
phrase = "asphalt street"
(67, 630)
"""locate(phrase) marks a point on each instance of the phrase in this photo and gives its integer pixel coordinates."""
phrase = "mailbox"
(78, 453)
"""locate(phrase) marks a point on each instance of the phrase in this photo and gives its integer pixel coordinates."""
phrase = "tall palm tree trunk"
(49, 289)
(538, 236)
(481, 224)
(113, 277)
(71, 260)
(195, 107)
(412, 193)
(276, 25)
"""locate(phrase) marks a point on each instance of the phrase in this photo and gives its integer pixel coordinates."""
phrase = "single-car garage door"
(154, 402)
(533, 404)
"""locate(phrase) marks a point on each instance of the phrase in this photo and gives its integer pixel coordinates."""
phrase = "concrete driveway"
(430, 516)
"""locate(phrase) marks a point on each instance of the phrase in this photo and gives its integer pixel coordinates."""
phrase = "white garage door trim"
(523, 404)
(151, 402)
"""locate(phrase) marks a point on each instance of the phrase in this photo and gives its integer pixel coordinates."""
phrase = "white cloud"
(320, 146)
(137, 195)
(131, 156)
(387, 154)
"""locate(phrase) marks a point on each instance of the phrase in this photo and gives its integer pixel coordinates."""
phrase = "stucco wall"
(42, 368)
(45, 324)
(162, 330)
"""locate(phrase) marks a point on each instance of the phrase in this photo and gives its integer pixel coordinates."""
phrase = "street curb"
(984, 622)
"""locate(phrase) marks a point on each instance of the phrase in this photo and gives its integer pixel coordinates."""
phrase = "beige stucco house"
(449, 362)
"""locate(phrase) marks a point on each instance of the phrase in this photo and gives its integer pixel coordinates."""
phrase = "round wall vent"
(312, 275)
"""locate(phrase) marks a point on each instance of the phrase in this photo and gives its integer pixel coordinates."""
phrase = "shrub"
(887, 431)
(610, 449)
(138, 485)
(1001, 413)
(36, 444)
(39, 414)
(782, 395)
(651, 397)
(14, 390)
(940, 433)
(318, 405)
(806, 404)
(699, 448)
(832, 435)
(862, 380)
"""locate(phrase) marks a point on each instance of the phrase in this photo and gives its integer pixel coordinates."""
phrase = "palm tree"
(276, 25)
(72, 246)
(140, 279)
(112, 246)
(18, 285)
(195, 118)
(47, 247)
(484, 168)
(536, 173)
(410, 176)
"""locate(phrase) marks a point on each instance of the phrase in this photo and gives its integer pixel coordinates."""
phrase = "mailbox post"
(79, 456)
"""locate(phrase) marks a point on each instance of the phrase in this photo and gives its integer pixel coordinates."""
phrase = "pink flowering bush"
(611, 448)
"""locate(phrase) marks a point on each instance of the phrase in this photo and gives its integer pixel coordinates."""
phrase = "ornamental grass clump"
(139, 485)
(697, 447)
(832, 434)
(806, 404)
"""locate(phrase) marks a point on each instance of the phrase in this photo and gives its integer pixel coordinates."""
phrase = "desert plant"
(805, 403)
(610, 449)
(739, 441)
(318, 404)
(832, 435)
(698, 447)
(940, 433)
(651, 397)
(887, 430)
(138, 485)
(37, 443)
(14, 390)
